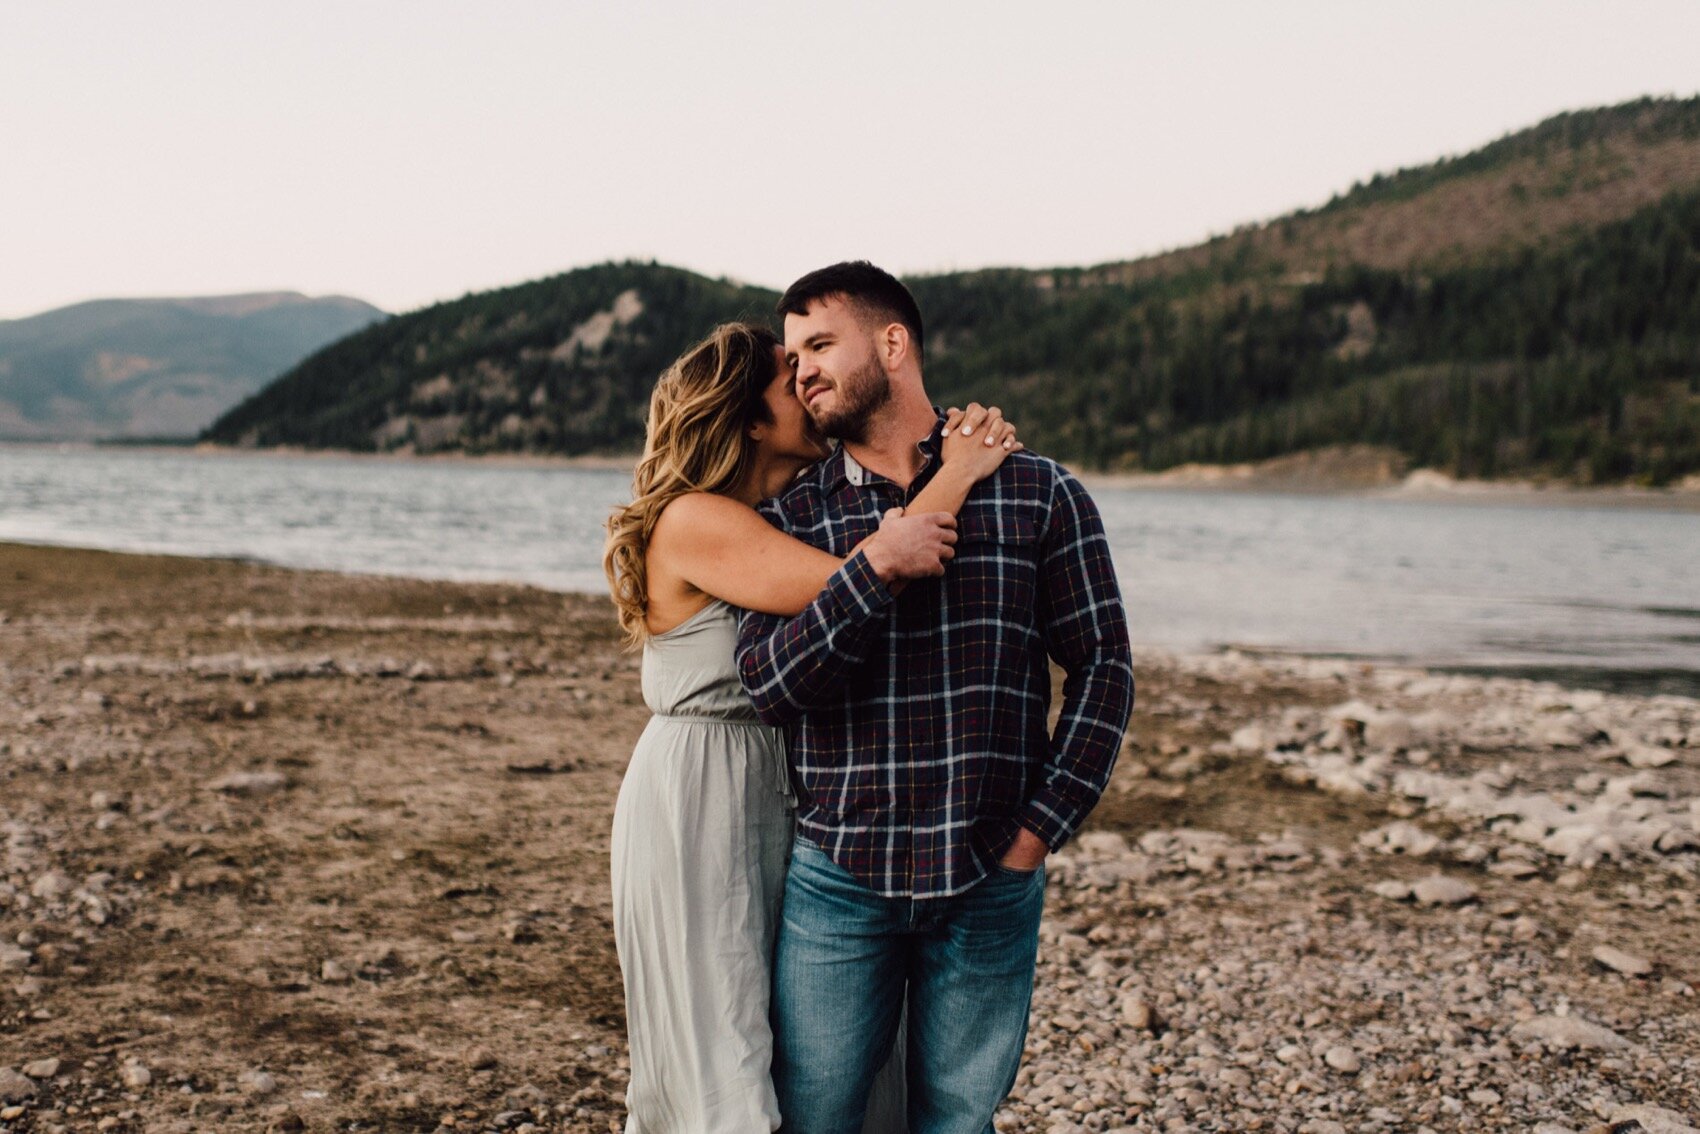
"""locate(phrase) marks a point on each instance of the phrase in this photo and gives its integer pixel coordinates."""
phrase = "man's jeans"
(846, 957)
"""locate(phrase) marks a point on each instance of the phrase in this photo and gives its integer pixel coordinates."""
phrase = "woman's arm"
(725, 549)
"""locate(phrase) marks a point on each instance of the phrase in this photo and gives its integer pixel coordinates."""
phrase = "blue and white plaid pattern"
(918, 723)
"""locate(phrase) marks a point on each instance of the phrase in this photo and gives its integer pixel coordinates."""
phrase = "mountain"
(156, 368)
(1531, 308)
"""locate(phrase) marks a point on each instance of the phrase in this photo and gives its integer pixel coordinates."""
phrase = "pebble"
(1342, 1059)
(1566, 1032)
(1138, 1014)
(135, 1074)
(1648, 756)
(15, 1087)
(1653, 1119)
(1626, 963)
(1442, 890)
(257, 1082)
(42, 1068)
(249, 783)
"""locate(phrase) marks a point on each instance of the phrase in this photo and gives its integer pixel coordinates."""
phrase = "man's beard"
(859, 395)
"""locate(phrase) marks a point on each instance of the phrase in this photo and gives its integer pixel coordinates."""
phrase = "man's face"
(839, 377)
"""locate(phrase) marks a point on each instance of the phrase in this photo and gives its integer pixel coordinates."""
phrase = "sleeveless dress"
(701, 839)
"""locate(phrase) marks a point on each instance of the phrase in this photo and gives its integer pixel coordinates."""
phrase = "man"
(930, 787)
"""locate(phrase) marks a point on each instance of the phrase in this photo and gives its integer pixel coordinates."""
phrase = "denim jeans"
(847, 956)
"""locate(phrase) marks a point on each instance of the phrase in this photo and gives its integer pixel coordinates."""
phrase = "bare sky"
(414, 150)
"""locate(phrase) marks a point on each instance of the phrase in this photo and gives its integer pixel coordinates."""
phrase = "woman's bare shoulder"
(695, 508)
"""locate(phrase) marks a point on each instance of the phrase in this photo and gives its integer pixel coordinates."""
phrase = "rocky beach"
(288, 850)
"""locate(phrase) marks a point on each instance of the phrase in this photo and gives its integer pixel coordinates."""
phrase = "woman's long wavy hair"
(698, 441)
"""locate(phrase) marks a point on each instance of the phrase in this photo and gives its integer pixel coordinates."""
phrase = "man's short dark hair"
(875, 290)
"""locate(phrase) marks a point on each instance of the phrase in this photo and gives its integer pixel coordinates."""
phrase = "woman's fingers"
(973, 418)
(952, 418)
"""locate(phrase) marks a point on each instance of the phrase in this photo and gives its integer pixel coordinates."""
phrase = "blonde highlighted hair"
(698, 441)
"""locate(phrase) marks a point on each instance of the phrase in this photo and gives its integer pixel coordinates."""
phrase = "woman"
(702, 828)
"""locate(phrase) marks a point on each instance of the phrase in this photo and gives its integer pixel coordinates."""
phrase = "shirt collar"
(842, 468)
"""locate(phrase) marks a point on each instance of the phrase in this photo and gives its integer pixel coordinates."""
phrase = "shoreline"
(1630, 680)
(1281, 476)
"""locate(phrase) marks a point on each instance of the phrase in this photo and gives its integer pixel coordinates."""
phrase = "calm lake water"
(1595, 595)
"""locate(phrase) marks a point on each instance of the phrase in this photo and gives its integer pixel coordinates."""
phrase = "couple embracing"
(828, 852)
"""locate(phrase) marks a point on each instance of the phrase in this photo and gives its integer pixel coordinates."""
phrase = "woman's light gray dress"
(702, 834)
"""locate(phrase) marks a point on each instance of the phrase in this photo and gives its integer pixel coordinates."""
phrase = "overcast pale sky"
(406, 152)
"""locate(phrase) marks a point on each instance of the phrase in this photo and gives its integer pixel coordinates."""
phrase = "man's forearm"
(788, 665)
(1085, 627)
(1097, 701)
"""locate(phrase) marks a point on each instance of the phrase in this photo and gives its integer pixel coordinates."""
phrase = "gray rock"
(15, 1087)
(1626, 963)
(1250, 739)
(1401, 837)
(42, 1069)
(1138, 1014)
(1565, 731)
(1441, 890)
(135, 1074)
(52, 884)
(1389, 729)
(1653, 1119)
(14, 959)
(257, 1082)
(1342, 1059)
(1648, 756)
(1569, 1032)
(1106, 844)
(1392, 889)
(250, 783)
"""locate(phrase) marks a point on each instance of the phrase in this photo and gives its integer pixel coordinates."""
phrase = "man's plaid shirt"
(918, 738)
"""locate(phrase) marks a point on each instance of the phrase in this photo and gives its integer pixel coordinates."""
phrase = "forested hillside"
(1532, 308)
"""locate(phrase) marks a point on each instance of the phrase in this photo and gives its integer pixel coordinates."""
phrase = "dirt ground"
(288, 850)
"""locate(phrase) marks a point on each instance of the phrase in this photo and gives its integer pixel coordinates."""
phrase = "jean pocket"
(1012, 872)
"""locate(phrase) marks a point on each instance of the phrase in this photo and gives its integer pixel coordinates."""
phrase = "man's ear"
(894, 345)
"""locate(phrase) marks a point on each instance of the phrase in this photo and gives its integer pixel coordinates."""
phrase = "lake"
(1589, 594)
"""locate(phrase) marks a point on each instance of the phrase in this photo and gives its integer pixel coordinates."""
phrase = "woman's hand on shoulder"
(977, 439)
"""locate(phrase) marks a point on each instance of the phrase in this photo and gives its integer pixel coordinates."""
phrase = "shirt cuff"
(1053, 817)
(856, 592)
